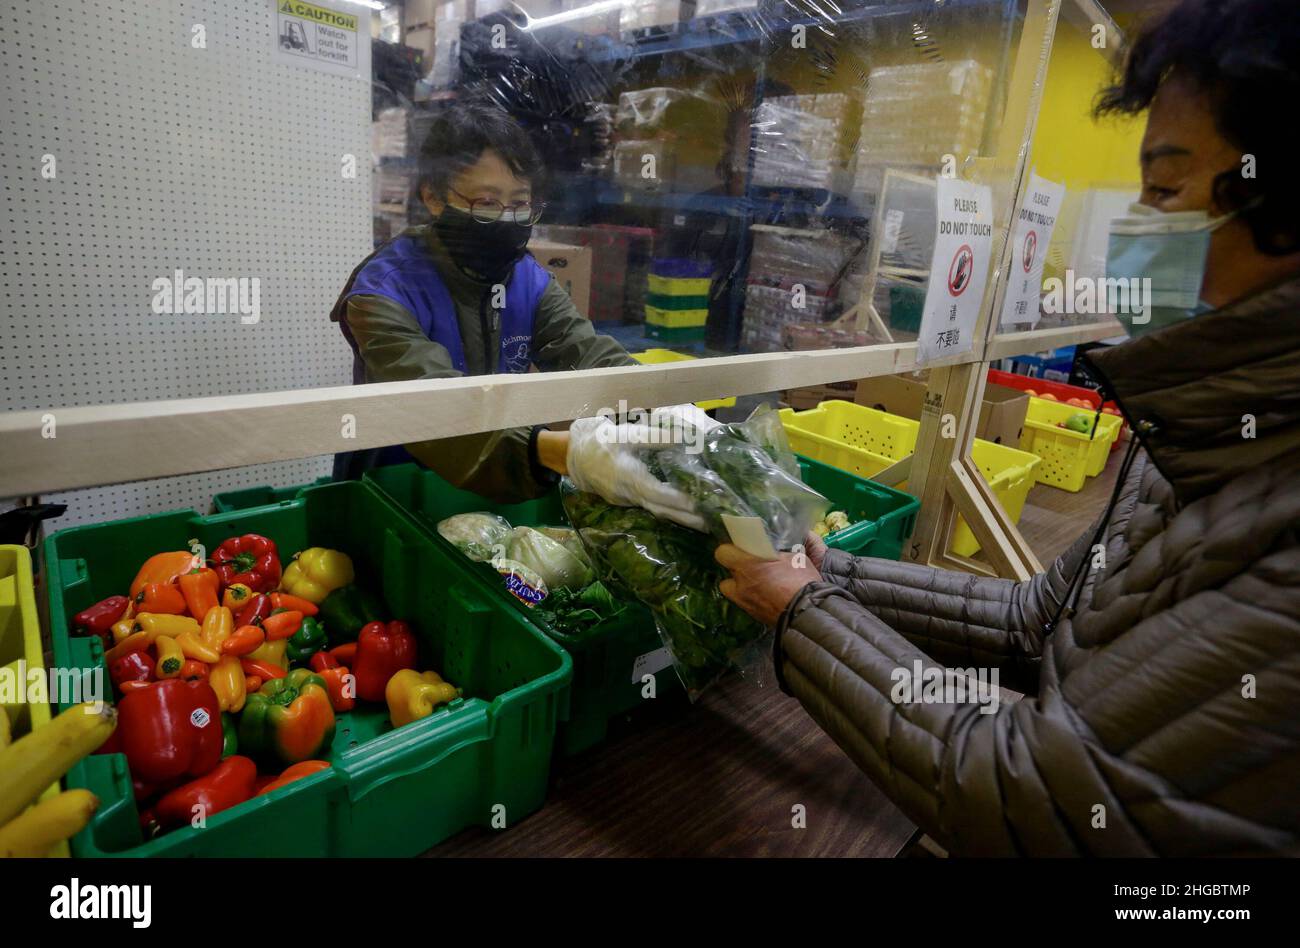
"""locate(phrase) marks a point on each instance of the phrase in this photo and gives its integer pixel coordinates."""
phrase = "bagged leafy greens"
(745, 469)
(668, 568)
(477, 535)
(576, 613)
(558, 565)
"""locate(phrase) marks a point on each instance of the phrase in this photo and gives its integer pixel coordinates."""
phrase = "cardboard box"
(801, 399)
(571, 267)
(1002, 414)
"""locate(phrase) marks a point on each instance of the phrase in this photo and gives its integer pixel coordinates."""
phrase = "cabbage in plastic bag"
(557, 565)
(477, 535)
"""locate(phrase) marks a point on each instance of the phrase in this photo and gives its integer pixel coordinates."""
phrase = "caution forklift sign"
(326, 38)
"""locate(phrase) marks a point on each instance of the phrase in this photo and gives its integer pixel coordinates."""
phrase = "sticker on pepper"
(199, 717)
(524, 583)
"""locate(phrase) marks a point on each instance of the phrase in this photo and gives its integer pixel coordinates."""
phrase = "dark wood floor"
(722, 778)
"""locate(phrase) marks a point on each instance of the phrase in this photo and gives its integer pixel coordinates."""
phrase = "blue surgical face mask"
(1170, 250)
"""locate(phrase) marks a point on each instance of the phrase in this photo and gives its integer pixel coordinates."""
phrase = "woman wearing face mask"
(1160, 656)
(461, 296)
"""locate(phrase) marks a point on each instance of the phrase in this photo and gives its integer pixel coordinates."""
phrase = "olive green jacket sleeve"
(498, 465)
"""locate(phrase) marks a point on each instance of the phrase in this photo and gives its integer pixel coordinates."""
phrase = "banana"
(34, 832)
(36, 760)
(5, 735)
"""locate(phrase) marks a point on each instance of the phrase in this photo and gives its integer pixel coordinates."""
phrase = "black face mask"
(484, 251)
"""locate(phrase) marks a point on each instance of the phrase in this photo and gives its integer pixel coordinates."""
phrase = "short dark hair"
(458, 137)
(1245, 56)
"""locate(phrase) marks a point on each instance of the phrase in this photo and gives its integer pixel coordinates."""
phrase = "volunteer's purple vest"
(403, 271)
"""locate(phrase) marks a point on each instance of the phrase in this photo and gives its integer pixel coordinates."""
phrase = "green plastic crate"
(605, 681)
(260, 496)
(391, 792)
(665, 334)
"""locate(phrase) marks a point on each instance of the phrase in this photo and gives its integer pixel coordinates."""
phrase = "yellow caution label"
(340, 21)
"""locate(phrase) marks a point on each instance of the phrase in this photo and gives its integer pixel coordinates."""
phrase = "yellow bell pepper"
(217, 626)
(227, 680)
(412, 695)
(170, 657)
(272, 652)
(315, 573)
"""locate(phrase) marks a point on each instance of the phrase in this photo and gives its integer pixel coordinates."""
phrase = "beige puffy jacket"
(1162, 709)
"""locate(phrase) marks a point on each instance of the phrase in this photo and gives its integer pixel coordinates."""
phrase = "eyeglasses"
(489, 211)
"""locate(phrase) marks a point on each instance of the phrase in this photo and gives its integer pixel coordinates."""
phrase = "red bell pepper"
(382, 651)
(254, 611)
(228, 784)
(133, 666)
(251, 560)
(323, 660)
(99, 618)
(171, 729)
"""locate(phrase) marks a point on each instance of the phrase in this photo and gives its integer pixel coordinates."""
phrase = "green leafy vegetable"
(669, 569)
(576, 613)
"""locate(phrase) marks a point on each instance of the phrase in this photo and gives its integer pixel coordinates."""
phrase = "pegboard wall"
(213, 160)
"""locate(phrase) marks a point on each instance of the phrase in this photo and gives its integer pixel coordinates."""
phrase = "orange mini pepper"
(251, 682)
(161, 599)
(295, 772)
(283, 600)
(243, 640)
(162, 568)
(194, 670)
(282, 625)
(265, 670)
(199, 587)
(344, 654)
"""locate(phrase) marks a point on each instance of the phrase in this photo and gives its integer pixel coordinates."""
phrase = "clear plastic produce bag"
(745, 469)
(667, 568)
(480, 536)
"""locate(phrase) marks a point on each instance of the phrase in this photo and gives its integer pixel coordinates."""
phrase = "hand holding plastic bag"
(607, 459)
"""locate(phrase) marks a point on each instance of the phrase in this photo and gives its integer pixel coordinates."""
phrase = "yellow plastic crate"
(865, 441)
(1069, 457)
(662, 356)
(676, 318)
(679, 286)
(20, 640)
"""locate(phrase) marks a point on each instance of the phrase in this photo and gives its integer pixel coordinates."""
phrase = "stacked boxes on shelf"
(620, 266)
(916, 114)
(793, 278)
(677, 304)
(803, 141)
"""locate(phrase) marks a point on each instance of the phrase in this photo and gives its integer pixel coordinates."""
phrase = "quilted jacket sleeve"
(1151, 733)
(959, 618)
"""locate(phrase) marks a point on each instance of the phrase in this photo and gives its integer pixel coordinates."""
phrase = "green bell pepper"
(229, 735)
(346, 610)
(288, 719)
(307, 641)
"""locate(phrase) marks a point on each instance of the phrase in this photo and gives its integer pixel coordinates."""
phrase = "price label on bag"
(649, 663)
(1034, 226)
(959, 271)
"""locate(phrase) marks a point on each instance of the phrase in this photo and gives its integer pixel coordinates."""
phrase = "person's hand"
(764, 588)
(815, 548)
(603, 459)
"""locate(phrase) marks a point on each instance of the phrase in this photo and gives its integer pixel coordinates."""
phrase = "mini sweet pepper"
(162, 568)
(228, 784)
(382, 651)
(316, 572)
(289, 719)
(100, 618)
